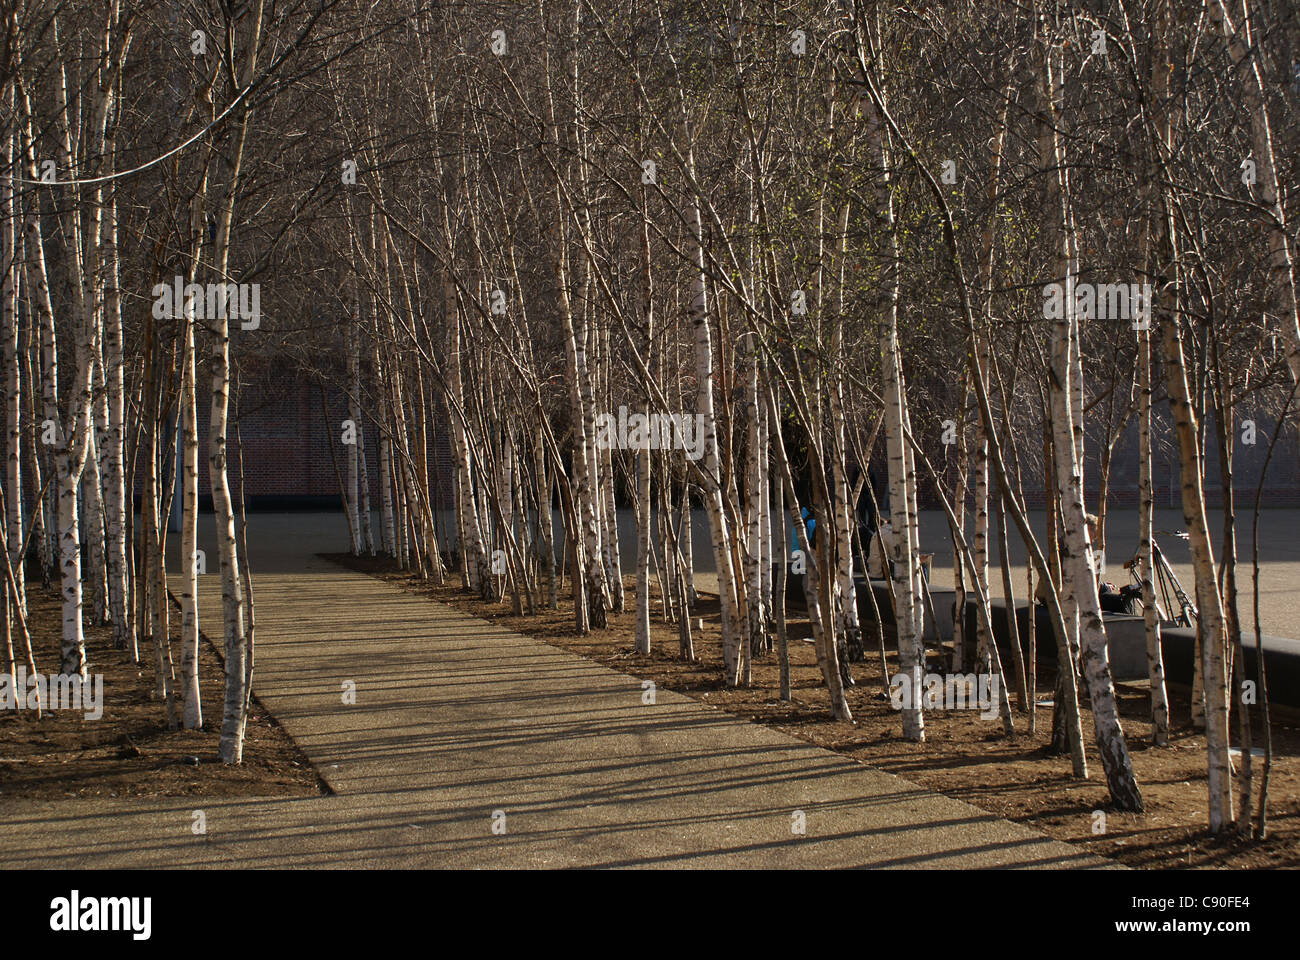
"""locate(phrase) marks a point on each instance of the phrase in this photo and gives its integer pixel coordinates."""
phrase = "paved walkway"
(455, 719)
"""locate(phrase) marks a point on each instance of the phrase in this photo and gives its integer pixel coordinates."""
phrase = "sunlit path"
(456, 719)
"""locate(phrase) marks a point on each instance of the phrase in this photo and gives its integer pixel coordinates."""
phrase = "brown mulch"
(129, 751)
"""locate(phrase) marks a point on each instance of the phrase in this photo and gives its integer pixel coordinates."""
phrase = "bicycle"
(1167, 586)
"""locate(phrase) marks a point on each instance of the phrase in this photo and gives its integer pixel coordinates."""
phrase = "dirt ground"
(962, 756)
(129, 752)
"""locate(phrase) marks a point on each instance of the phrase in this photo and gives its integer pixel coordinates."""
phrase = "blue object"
(810, 524)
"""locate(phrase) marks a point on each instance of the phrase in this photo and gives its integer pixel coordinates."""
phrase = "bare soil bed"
(963, 756)
(129, 752)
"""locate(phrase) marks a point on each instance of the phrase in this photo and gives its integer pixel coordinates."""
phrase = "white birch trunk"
(1210, 631)
(641, 623)
(92, 505)
(981, 534)
(354, 414)
(1155, 659)
(235, 714)
(755, 460)
(587, 565)
(116, 500)
(1146, 501)
(363, 493)
(909, 611)
(714, 509)
(192, 706)
(13, 519)
(1078, 574)
(473, 547)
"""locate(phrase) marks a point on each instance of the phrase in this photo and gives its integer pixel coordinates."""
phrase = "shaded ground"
(468, 745)
(129, 752)
(963, 756)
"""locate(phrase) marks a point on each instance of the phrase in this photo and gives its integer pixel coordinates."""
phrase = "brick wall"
(286, 447)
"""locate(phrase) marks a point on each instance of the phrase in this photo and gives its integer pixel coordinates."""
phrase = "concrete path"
(456, 720)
